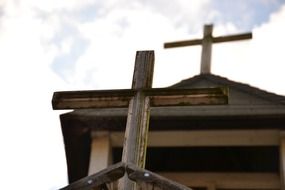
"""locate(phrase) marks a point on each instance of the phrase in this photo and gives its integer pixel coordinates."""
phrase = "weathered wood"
(101, 153)
(144, 176)
(108, 175)
(206, 43)
(206, 138)
(187, 97)
(282, 159)
(134, 150)
(92, 99)
(121, 98)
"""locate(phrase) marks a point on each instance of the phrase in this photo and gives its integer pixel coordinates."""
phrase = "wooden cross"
(138, 99)
(206, 43)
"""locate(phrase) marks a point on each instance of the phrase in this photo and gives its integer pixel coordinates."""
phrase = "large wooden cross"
(206, 43)
(138, 99)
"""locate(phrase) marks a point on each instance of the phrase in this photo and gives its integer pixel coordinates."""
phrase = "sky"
(51, 45)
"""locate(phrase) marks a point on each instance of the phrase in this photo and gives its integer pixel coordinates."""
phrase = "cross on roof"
(206, 43)
(138, 99)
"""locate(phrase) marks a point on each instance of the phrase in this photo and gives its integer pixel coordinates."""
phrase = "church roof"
(222, 81)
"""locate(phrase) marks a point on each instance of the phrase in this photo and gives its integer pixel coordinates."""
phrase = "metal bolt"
(146, 174)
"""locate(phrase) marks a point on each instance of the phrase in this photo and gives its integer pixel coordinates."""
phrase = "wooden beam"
(260, 181)
(206, 138)
(135, 141)
(92, 99)
(282, 159)
(121, 98)
(206, 50)
(101, 153)
(187, 97)
(220, 39)
(107, 175)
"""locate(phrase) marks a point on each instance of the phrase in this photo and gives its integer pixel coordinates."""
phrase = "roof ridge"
(238, 85)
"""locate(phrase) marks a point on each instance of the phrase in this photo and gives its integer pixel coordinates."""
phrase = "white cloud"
(121, 28)
(33, 33)
(259, 62)
(30, 138)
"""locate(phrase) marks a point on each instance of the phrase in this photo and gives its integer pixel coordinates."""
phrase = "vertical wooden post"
(101, 154)
(282, 159)
(206, 49)
(135, 140)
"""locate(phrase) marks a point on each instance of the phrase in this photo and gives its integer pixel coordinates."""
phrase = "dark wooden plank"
(218, 39)
(107, 175)
(143, 71)
(92, 99)
(144, 176)
(235, 37)
(121, 98)
(187, 97)
(181, 91)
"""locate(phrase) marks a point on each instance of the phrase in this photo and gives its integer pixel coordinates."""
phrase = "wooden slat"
(108, 175)
(144, 176)
(245, 36)
(121, 98)
(187, 97)
(92, 99)
(219, 39)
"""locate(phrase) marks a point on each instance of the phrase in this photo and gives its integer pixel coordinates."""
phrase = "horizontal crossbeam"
(229, 38)
(219, 39)
(121, 98)
(92, 99)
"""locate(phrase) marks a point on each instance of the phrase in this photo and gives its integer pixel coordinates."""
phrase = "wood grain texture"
(135, 141)
(121, 98)
(107, 175)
